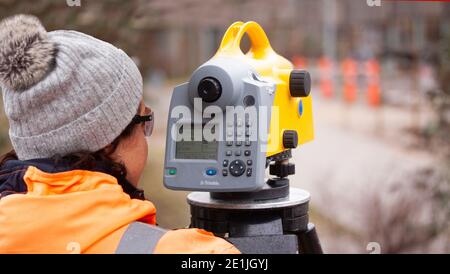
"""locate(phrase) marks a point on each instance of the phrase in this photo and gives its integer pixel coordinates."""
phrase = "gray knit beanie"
(63, 91)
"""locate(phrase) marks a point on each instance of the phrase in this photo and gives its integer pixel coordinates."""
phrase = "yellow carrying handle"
(231, 41)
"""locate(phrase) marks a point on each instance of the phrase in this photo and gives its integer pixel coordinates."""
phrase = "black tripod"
(272, 220)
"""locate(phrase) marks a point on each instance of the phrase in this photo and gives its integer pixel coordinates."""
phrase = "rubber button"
(211, 172)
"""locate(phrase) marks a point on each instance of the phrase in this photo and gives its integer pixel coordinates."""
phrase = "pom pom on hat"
(63, 91)
(26, 53)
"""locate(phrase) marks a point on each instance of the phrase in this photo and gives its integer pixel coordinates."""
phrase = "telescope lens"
(209, 89)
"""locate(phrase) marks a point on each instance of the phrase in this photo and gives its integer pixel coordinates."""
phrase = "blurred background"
(379, 168)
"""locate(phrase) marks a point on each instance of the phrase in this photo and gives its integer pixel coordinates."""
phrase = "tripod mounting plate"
(203, 199)
(267, 226)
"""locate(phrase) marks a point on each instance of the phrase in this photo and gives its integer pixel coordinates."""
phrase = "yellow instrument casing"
(288, 112)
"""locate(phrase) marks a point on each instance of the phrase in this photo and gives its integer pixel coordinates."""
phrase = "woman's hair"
(90, 160)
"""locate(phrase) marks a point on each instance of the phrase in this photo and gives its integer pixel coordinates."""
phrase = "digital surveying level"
(239, 114)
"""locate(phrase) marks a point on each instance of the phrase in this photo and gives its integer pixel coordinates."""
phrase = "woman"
(78, 126)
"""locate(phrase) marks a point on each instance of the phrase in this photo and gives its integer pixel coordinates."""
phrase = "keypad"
(240, 149)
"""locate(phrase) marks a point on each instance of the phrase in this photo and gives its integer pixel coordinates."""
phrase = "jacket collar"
(12, 175)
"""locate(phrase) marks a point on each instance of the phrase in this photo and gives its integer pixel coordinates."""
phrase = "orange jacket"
(83, 211)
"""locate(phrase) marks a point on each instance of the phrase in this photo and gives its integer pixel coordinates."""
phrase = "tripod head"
(273, 219)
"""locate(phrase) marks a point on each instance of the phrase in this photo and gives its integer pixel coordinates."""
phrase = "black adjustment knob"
(282, 170)
(299, 83)
(290, 139)
(209, 89)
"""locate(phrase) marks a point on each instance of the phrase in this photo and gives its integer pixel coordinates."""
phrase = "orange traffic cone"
(349, 71)
(372, 69)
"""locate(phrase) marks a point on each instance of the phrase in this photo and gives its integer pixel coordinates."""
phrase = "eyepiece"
(209, 89)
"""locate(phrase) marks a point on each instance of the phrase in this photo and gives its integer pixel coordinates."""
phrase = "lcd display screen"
(190, 149)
